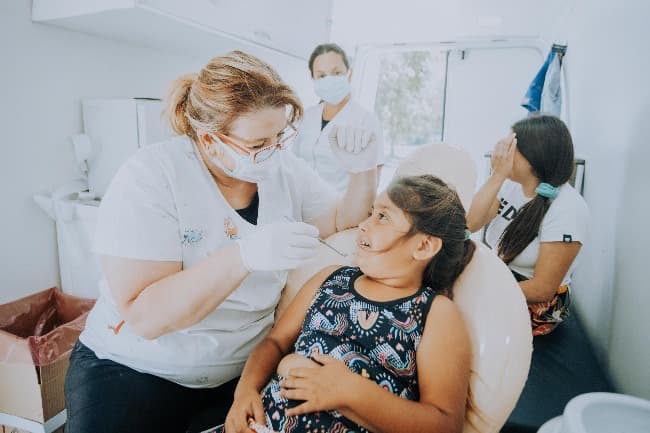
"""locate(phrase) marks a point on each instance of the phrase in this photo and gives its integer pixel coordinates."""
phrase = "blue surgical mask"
(332, 88)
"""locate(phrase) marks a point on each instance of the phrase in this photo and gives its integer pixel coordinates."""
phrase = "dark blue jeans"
(104, 396)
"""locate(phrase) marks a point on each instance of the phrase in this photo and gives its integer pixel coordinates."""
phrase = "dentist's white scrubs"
(164, 205)
(312, 145)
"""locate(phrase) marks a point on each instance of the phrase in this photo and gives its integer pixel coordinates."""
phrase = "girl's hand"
(503, 155)
(247, 404)
(292, 361)
(323, 387)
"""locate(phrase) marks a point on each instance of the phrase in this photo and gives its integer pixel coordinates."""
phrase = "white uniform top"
(312, 144)
(566, 220)
(164, 205)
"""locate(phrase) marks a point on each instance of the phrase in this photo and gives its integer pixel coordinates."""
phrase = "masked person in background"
(330, 71)
(195, 244)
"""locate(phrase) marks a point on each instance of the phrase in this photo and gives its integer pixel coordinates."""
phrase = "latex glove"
(356, 149)
(279, 246)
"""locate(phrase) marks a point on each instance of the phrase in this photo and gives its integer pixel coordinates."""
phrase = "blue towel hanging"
(548, 74)
(533, 97)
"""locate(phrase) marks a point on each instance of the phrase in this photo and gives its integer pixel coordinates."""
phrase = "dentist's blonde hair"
(228, 87)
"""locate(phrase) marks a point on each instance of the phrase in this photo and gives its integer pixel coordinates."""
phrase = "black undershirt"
(323, 123)
(249, 213)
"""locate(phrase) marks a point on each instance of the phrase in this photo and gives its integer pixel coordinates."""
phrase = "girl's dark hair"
(327, 48)
(546, 144)
(435, 209)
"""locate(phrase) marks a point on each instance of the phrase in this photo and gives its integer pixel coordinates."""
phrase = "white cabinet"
(197, 27)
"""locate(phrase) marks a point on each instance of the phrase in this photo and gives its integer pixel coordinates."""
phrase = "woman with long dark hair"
(537, 220)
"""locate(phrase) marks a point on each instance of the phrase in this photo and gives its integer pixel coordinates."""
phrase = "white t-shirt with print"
(164, 205)
(312, 143)
(566, 220)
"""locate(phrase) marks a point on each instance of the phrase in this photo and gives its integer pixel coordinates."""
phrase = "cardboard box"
(37, 334)
(33, 392)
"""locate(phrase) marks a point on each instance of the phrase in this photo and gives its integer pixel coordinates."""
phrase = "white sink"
(602, 412)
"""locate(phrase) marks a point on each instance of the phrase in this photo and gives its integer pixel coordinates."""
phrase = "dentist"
(195, 246)
(335, 113)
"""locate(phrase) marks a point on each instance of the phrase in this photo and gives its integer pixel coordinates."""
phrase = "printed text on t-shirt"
(510, 211)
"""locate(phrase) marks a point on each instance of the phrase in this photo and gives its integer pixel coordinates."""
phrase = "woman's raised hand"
(356, 149)
(503, 155)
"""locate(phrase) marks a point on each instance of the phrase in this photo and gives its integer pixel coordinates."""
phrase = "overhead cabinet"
(197, 27)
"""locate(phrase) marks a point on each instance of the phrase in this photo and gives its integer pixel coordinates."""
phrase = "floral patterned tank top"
(375, 339)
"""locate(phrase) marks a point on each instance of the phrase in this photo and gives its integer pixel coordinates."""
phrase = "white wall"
(491, 105)
(609, 66)
(45, 73)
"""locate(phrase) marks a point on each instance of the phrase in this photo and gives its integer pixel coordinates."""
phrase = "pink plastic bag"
(41, 328)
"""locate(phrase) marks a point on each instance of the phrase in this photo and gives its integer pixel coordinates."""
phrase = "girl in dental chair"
(379, 347)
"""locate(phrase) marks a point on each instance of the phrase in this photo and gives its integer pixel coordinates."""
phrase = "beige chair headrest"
(495, 312)
(450, 163)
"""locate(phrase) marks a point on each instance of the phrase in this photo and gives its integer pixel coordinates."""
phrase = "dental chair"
(488, 296)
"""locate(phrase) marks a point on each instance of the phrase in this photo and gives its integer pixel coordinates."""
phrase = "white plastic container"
(75, 220)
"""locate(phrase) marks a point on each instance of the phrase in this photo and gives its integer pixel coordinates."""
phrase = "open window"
(405, 87)
(463, 93)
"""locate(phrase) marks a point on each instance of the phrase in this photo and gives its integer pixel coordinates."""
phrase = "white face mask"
(332, 88)
(244, 167)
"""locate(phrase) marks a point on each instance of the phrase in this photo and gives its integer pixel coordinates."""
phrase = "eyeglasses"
(264, 153)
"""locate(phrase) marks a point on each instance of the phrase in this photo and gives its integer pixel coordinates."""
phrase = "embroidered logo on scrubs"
(192, 236)
(230, 228)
